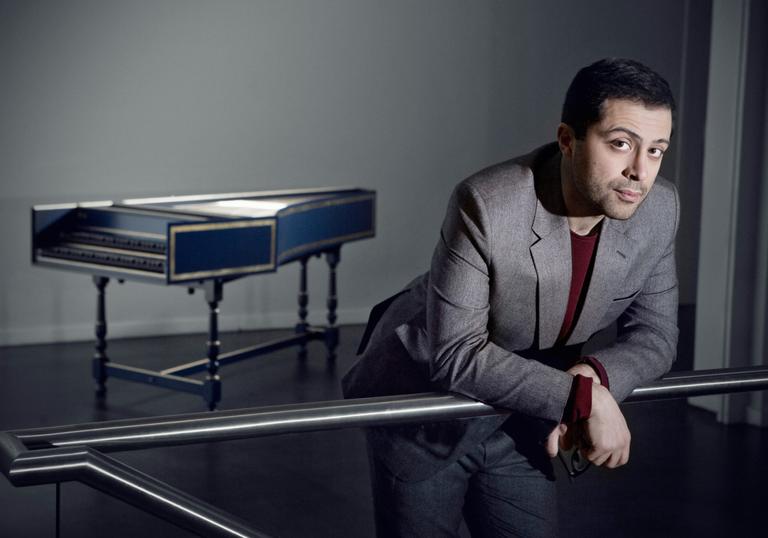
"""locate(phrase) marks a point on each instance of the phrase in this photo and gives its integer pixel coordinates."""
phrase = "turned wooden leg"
(100, 359)
(332, 257)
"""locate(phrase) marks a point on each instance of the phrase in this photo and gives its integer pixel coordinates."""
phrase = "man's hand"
(604, 437)
(553, 441)
(605, 431)
(558, 437)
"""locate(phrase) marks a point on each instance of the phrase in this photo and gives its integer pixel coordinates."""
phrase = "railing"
(68, 453)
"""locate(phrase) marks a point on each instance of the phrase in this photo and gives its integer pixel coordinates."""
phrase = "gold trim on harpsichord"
(308, 206)
(331, 240)
(325, 242)
(187, 228)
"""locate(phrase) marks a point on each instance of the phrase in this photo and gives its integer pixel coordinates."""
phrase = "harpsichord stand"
(210, 388)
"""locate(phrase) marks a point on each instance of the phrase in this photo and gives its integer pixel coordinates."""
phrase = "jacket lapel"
(612, 261)
(551, 254)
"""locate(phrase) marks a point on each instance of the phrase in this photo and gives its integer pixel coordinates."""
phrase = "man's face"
(614, 167)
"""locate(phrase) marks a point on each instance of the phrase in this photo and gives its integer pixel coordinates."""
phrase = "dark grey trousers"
(499, 491)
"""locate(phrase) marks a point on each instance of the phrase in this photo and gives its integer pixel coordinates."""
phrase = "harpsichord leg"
(100, 359)
(212, 388)
(332, 257)
(302, 325)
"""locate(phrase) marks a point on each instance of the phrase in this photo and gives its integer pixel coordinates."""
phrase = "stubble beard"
(601, 198)
(598, 197)
(614, 208)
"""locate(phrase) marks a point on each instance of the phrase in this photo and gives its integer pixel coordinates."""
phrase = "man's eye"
(656, 152)
(620, 144)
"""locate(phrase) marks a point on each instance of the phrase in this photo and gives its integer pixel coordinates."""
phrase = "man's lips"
(629, 195)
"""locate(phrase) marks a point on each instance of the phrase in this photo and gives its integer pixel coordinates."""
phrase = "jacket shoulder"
(506, 181)
(661, 208)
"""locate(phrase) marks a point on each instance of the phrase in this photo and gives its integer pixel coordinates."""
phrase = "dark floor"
(688, 475)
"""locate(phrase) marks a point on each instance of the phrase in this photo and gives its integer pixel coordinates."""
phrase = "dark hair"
(612, 78)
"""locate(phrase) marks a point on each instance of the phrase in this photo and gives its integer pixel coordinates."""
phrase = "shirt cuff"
(598, 368)
(579, 404)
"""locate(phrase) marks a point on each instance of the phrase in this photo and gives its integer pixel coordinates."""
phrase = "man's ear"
(566, 138)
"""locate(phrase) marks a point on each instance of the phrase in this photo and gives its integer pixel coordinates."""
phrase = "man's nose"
(637, 168)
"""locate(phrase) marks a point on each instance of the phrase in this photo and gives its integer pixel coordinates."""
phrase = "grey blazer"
(483, 322)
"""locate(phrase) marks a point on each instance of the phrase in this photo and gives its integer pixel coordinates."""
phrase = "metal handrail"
(274, 420)
(52, 455)
(89, 466)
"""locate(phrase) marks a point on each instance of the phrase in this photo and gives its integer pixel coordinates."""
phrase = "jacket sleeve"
(646, 343)
(454, 339)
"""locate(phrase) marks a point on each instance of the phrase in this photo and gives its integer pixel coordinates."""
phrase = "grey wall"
(111, 99)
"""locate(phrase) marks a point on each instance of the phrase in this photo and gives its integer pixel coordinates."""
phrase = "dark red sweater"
(583, 248)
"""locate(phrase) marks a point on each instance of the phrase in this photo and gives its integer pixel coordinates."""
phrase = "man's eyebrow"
(634, 135)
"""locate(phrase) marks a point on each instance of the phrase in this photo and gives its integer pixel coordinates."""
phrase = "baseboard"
(78, 332)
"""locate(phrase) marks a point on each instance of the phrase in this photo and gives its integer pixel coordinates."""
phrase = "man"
(535, 255)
